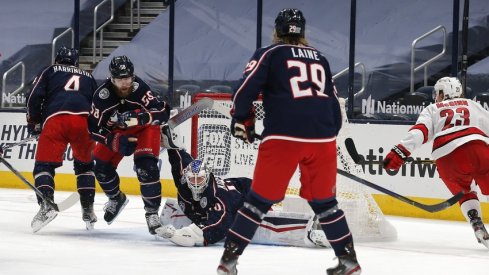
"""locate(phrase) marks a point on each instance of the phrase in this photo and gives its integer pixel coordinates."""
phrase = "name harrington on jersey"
(70, 69)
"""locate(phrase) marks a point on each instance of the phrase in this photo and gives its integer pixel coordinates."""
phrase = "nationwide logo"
(371, 106)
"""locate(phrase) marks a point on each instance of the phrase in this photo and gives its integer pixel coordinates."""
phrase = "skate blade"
(89, 225)
(120, 210)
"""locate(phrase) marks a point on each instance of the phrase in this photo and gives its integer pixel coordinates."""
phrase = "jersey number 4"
(307, 73)
(73, 84)
(461, 116)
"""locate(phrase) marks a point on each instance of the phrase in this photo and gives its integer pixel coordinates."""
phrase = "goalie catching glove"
(188, 236)
(244, 130)
(132, 118)
(396, 157)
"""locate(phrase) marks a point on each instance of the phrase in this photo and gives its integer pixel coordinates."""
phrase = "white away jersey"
(450, 124)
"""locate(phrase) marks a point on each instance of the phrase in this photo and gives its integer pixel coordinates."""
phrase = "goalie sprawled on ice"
(207, 206)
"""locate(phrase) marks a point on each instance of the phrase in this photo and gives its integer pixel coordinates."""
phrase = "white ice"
(125, 247)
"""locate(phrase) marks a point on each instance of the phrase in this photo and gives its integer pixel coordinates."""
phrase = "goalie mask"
(450, 86)
(197, 177)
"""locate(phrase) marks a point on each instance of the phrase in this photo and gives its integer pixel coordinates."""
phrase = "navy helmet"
(290, 22)
(68, 56)
(121, 67)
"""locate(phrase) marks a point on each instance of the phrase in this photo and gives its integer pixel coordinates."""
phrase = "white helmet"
(450, 86)
(197, 176)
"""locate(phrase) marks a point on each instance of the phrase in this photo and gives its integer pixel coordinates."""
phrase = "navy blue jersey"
(60, 89)
(220, 202)
(299, 96)
(106, 104)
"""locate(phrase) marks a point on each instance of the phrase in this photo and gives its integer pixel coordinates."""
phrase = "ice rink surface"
(125, 247)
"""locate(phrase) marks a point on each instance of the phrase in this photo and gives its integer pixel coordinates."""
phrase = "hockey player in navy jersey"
(124, 120)
(207, 205)
(302, 120)
(57, 110)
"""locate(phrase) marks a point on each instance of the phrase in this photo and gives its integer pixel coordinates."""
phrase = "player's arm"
(37, 96)
(419, 134)
(179, 159)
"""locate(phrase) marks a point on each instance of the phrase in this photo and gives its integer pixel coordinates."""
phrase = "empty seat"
(220, 89)
(482, 98)
(191, 88)
(417, 98)
(427, 90)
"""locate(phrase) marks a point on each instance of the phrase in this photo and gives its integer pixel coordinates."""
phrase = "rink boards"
(417, 181)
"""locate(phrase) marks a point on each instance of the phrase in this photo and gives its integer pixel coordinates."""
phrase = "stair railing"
(138, 4)
(101, 28)
(4, 83)
(53, 45)
(363, 73)
(431, 60)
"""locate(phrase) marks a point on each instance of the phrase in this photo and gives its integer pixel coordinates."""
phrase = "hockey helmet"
(67, 56)
(197, 176)
(290, 22)
(121, 67)
(450, 86)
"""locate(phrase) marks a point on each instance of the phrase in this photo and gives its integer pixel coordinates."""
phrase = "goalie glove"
(132, 118)
(188, 236)
(244, 130)
(166, 231)
(396, 157)
(168, 138)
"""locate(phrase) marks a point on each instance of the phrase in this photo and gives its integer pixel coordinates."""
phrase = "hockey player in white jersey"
(459, 129)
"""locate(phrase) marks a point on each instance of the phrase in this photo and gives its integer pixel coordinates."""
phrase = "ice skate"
(479, 228)
(45, 215)
(114, 207)
(347, 264)
(88, 215)
(153, 220)
(229, 260)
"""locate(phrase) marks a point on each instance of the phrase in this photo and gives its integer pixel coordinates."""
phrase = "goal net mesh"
(227, 156)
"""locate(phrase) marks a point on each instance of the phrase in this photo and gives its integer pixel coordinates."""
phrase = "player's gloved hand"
(396, 157)
(33, 127)
(166, 231)
(168, 138)
(188, 236)
(133, 118)
(244, 130)
(122, 144)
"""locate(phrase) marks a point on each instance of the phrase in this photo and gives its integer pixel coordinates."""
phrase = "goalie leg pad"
(85, 180)
(44, 179)
(333, 222)
(107, 177)
(149, 177)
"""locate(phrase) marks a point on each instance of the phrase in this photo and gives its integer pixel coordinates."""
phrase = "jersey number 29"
(307, 73)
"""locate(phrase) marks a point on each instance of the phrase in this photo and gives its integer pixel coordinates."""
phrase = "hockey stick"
(194, 109)
(62, 206)
(8, 146)
(430, 208)
(359, 159)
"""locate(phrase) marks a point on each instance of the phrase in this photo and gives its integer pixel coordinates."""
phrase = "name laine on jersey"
(70, 69)
(305, 53)
(452, 103)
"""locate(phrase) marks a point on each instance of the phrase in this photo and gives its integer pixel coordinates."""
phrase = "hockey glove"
(168, 138)
(122, 144)
(188, 236)
(166, 231)
(244, 130)
(396, 157)
(134, 118)
(33, 127)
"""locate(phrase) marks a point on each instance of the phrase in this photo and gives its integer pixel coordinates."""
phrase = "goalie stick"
(194, 109)
(62, 206)
(359, 159)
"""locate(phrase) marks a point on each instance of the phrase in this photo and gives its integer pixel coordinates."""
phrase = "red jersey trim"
(443, 140)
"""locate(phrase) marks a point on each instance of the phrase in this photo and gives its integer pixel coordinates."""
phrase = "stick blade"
(444, 205)
(68, 202)
(352, 150)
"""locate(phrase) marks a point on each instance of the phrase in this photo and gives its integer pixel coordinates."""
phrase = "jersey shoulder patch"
(104, 93)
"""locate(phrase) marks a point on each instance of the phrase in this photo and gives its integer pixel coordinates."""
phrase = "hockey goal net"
(213, 143)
